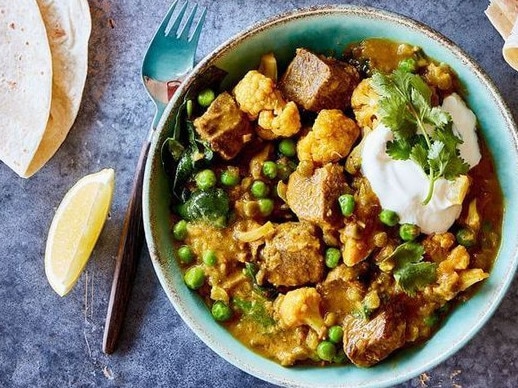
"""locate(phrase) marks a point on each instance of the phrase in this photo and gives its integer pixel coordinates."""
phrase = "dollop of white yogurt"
(401, 185)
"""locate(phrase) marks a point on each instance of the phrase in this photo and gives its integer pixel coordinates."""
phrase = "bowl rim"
(238, 38)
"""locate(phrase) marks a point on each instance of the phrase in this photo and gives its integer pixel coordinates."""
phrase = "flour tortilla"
(510, 49)
(25, 82)
(68, 26)
(503, 14)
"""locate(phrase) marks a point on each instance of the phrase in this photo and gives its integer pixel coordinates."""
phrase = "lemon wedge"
(75, 228)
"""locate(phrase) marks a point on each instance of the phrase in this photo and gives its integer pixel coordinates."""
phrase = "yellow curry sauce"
(285, 299)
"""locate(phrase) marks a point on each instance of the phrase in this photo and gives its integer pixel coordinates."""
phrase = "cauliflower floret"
(330, 139)
(364, 102)
(438, 246)
(440, 76)
(453, 275)
(469, 277)
(286, 123)
(300, 307)
(256, 92)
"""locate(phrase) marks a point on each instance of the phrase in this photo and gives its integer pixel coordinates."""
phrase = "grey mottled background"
(50, 341)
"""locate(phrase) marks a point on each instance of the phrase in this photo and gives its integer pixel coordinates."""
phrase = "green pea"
(409, 232)
(335, 334)
(194, 277)
(284, 169)
(347, 204)
(340, 357)
(326, 350)
(332, 257)
(389, 217)
(408, 65)
(431, 320)
(230, 177)
(259, 189)
(265, 206)
(210, 258)
(270, 169)
(287, 147)
(185, 254)
(205, 179)
(466, 236)
(221, 311)
(205, 97)
(180, 230)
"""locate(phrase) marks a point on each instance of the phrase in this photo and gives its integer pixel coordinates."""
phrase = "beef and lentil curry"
(279, 229)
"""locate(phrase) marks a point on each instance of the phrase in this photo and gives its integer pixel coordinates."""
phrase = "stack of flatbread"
(44, 46)
(503, 14)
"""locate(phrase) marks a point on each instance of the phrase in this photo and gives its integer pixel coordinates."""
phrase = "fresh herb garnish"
(410, 271)
(422, 132)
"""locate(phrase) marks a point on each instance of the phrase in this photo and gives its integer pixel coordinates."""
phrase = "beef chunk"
(293, 255)
(224, 126)
(316, 82)
(315, 198)
(366, 342)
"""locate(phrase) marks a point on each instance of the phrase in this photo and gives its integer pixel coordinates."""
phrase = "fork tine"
(166, 19)
(184, 33)
(176, 24)
(196, 34)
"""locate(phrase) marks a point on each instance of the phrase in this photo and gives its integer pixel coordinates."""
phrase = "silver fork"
(169, 58)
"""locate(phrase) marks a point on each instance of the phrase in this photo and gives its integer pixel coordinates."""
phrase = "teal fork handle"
(159, 111)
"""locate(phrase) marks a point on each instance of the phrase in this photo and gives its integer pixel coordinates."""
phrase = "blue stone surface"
(48, 341)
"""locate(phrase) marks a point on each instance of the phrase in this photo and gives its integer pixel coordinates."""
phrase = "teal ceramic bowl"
(330, 29)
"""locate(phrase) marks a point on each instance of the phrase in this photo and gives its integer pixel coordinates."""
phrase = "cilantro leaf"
(409, 252)
(415, 276)
(419, 155)
(399, 150)
(411, 272)
(445, 134)
(438, 118)
(456, 166)
(422, 132)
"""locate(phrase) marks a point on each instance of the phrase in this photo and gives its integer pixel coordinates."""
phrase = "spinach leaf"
(183, 154)
(268, 292)
(209, 205)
